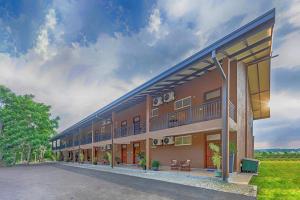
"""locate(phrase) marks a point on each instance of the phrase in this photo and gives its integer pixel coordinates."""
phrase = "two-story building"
(211, 97)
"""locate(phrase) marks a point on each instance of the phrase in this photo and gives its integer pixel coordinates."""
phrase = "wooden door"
(123, 128)
(136, 151)
(136, 125)
(124, 154)
(209, 153)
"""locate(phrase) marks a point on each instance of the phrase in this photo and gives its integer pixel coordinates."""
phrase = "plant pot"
(155, 168)
(218, 173)
(231, 162)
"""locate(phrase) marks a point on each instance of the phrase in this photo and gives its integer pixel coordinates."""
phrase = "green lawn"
(278, 180)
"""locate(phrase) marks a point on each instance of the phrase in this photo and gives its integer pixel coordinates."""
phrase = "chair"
(174, 165)
(185, 165)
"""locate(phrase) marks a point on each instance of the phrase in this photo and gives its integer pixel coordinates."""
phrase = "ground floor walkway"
(196, 177)
(56, 181)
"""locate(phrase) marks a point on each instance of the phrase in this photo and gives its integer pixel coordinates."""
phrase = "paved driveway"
(62, 182)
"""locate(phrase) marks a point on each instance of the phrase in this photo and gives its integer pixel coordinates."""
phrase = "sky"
(78, 56)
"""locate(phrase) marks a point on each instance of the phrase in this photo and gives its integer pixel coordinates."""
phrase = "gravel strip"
(179, 178)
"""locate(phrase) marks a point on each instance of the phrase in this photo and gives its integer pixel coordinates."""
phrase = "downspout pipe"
(218, 65)
(225, 132)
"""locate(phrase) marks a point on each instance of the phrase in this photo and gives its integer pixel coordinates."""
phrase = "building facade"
(211, 97)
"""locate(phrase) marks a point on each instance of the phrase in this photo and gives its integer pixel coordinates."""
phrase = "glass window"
(212, 94)
(182, 103)
(183, 140)
(154, 112)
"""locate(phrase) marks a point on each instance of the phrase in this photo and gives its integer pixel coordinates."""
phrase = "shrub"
(155, 164)
(216, 158)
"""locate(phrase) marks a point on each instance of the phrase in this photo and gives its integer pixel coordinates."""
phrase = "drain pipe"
(225, 110)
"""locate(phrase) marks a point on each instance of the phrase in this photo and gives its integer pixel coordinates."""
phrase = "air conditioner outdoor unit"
(169, 97)
(156, 142)
(108, 147)
(168, 140)
(157, 101)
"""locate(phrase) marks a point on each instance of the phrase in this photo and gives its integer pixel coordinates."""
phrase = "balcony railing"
(76, 142)
(86, 140)
(204, 112)
(134, 129)
(102, 137)
(69, 144)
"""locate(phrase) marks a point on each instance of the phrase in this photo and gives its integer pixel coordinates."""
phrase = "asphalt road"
(55, 181)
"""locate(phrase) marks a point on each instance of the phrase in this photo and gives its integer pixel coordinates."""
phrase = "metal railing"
(102, 137)
(204, 112)
(86, 140)
(133, 129)
(76, 143)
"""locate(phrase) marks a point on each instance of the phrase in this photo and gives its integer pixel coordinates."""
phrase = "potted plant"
(155, 165)
(81, 157)
(141, 155)
(216, 158)
(109, 158)
(118, 160)
(232, 152)
(95, 161)
(142, 163)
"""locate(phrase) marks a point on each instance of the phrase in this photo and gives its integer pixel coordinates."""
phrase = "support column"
(73, 152)
(79, 142)
(148, 160)
(112, 139)
(225, 117)
(93, 142)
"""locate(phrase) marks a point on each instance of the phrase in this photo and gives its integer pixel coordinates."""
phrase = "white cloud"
(42, 43)
(285, 105)
(154, 21)
(288, 51)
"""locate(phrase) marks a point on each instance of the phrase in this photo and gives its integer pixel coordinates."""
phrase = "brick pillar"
(148, 156)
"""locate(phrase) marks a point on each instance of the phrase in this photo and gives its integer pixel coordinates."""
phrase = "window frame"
(181, 138)
(210, 91)
(154, 109)
(182, 99)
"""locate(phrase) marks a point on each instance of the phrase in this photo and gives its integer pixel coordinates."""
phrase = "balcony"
(69, 144)
(204, 112)
(134, 129)
(86, 140)
(102, 137)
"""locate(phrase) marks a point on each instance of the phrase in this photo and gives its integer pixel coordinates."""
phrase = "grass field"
(278, 180)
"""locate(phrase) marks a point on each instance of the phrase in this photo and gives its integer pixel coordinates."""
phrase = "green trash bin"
(250, 165)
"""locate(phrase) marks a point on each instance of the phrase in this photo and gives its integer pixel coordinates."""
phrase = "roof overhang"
(250, 44)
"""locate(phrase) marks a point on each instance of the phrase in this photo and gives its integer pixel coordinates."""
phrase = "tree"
(27, 126)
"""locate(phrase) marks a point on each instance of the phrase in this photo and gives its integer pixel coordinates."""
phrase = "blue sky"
(80, 55)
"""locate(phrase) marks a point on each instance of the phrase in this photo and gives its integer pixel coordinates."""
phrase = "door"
(123, 128)
(136, 125)
(124, 154)
(209, 153)
(136, 151)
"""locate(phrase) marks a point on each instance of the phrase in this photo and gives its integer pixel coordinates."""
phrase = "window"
(214, 94)
(154, 112)
(183, 103)
(183, 140)
(103, 129)
(58, 143)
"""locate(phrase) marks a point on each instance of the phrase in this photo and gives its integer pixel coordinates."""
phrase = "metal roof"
(249, 44)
